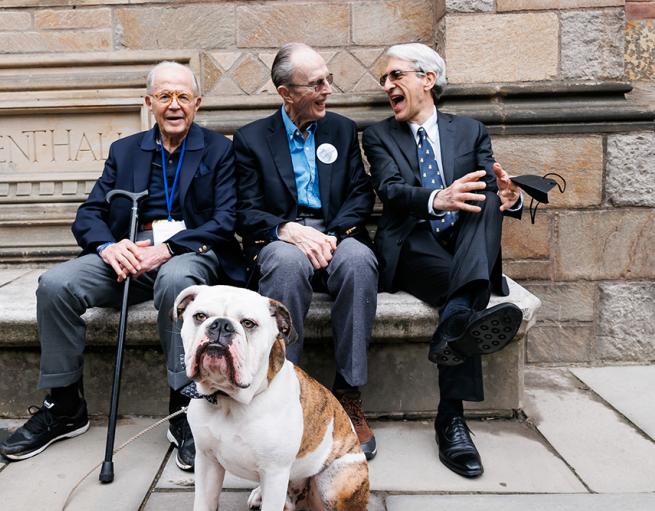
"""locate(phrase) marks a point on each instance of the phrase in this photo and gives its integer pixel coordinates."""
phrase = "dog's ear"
(183, 300)
(284, 323)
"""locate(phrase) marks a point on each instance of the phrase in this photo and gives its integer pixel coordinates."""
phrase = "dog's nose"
(221, 326)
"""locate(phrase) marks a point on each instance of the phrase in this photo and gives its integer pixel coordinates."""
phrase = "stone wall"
(549, 78)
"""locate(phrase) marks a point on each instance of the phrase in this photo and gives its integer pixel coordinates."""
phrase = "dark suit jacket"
(267, 185)
(391, 150)
(207, 196)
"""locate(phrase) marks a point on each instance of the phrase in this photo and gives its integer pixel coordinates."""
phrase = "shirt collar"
(194, 139)
(430, 126)
(291, 128)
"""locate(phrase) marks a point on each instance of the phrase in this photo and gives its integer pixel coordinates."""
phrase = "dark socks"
(176, 401)
(67, 399)
(448, 408)
(341, 385)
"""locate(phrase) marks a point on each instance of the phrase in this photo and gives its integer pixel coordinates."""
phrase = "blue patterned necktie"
(431, 178)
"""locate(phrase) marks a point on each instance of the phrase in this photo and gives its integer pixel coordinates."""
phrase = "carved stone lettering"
(60, 143)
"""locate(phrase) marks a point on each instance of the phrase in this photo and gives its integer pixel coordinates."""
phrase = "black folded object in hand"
(537, 187)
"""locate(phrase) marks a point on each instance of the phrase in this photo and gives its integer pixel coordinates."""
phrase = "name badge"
(327, 153)
(163, 230)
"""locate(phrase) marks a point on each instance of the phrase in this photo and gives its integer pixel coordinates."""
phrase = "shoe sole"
(490, 332)
(180, 464)
(71, 434)
(446, 357)
(368, 453)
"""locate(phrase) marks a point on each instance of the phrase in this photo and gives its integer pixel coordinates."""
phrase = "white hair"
(169, 63)
(424, 59)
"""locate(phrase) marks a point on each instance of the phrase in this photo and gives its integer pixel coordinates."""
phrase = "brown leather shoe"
(352, 404)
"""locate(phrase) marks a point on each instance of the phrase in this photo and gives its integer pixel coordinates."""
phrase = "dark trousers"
(433, 270)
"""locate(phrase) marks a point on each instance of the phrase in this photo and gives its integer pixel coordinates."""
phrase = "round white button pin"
(327, 153)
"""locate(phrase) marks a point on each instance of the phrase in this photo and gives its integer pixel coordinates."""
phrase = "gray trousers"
(351, 279)
(67, 290)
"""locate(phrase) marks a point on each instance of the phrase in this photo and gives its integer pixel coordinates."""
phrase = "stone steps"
(401, 380)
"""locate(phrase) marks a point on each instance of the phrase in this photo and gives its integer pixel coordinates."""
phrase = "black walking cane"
(107, 470)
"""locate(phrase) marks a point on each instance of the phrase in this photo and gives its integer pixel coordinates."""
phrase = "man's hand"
(508, 192)
(153, 257)
(455, 196)
(124, 257)
(318, 247)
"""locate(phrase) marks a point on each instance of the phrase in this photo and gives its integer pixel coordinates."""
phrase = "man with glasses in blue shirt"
(303, 203)
(186, 237)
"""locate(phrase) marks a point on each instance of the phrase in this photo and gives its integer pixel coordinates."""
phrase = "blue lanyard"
(169, 199)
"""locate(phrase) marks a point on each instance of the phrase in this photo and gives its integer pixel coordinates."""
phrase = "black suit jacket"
(267, 185)
(391, 150)
(207, 196)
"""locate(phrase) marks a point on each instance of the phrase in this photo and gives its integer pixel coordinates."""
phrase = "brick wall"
(590, 256)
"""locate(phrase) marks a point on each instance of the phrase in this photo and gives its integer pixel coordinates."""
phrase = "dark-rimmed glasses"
(396, 74)
(166, 97)
(317, 85)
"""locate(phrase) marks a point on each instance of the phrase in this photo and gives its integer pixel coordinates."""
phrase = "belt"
(146, 226)
(305, 212)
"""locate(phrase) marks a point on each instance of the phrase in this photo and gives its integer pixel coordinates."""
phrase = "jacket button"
(400, 242)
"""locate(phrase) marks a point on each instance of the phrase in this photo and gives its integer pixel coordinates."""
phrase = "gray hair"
(169, 63)
(283, 67)
(424, 59)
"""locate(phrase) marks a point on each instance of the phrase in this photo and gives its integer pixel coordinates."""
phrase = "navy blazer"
(390, 148)
(207, 196)
(267, 184)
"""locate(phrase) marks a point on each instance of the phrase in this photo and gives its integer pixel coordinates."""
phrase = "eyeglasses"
(396, 74)
(317, 85)
(166, 97)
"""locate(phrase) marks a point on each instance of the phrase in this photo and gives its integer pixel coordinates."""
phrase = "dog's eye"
(200, 317)
(248, 323)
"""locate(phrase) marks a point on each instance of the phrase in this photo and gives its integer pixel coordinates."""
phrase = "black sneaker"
(42, 429)
(179, 434)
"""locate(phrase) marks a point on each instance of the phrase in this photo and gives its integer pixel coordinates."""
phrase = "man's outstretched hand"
(508, 192)
(454, 197)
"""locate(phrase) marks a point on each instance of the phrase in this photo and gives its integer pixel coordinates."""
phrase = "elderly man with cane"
(185, 237)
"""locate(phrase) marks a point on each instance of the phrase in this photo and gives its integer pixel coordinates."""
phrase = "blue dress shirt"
(303, 159)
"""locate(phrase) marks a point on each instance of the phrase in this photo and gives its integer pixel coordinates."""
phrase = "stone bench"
(402, 382)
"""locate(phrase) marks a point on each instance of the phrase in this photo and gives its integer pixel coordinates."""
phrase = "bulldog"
(258, 415)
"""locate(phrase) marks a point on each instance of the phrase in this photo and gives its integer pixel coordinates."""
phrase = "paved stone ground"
(587, 443)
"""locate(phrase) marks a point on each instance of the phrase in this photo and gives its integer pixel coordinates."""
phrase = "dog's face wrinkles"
(228, 334)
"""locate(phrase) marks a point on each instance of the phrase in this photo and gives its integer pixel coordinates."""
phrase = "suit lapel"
(279, 146)
(324, 170)
(192, 155)
(447, 144)
(407, 144)
(142, 161)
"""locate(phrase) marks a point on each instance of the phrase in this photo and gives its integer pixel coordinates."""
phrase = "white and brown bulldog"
(264, 419)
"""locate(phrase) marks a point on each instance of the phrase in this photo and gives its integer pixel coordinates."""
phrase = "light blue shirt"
(303, 159)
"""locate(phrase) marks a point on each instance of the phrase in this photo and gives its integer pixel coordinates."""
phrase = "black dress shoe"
(485, 332)
(179, 434)
(456, 449)
(441, 350)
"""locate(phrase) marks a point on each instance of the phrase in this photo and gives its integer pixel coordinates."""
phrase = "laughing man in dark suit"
(439, 236)
(303, 203)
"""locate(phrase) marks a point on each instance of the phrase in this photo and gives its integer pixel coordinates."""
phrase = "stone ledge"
(400, 316)
(402, 383)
